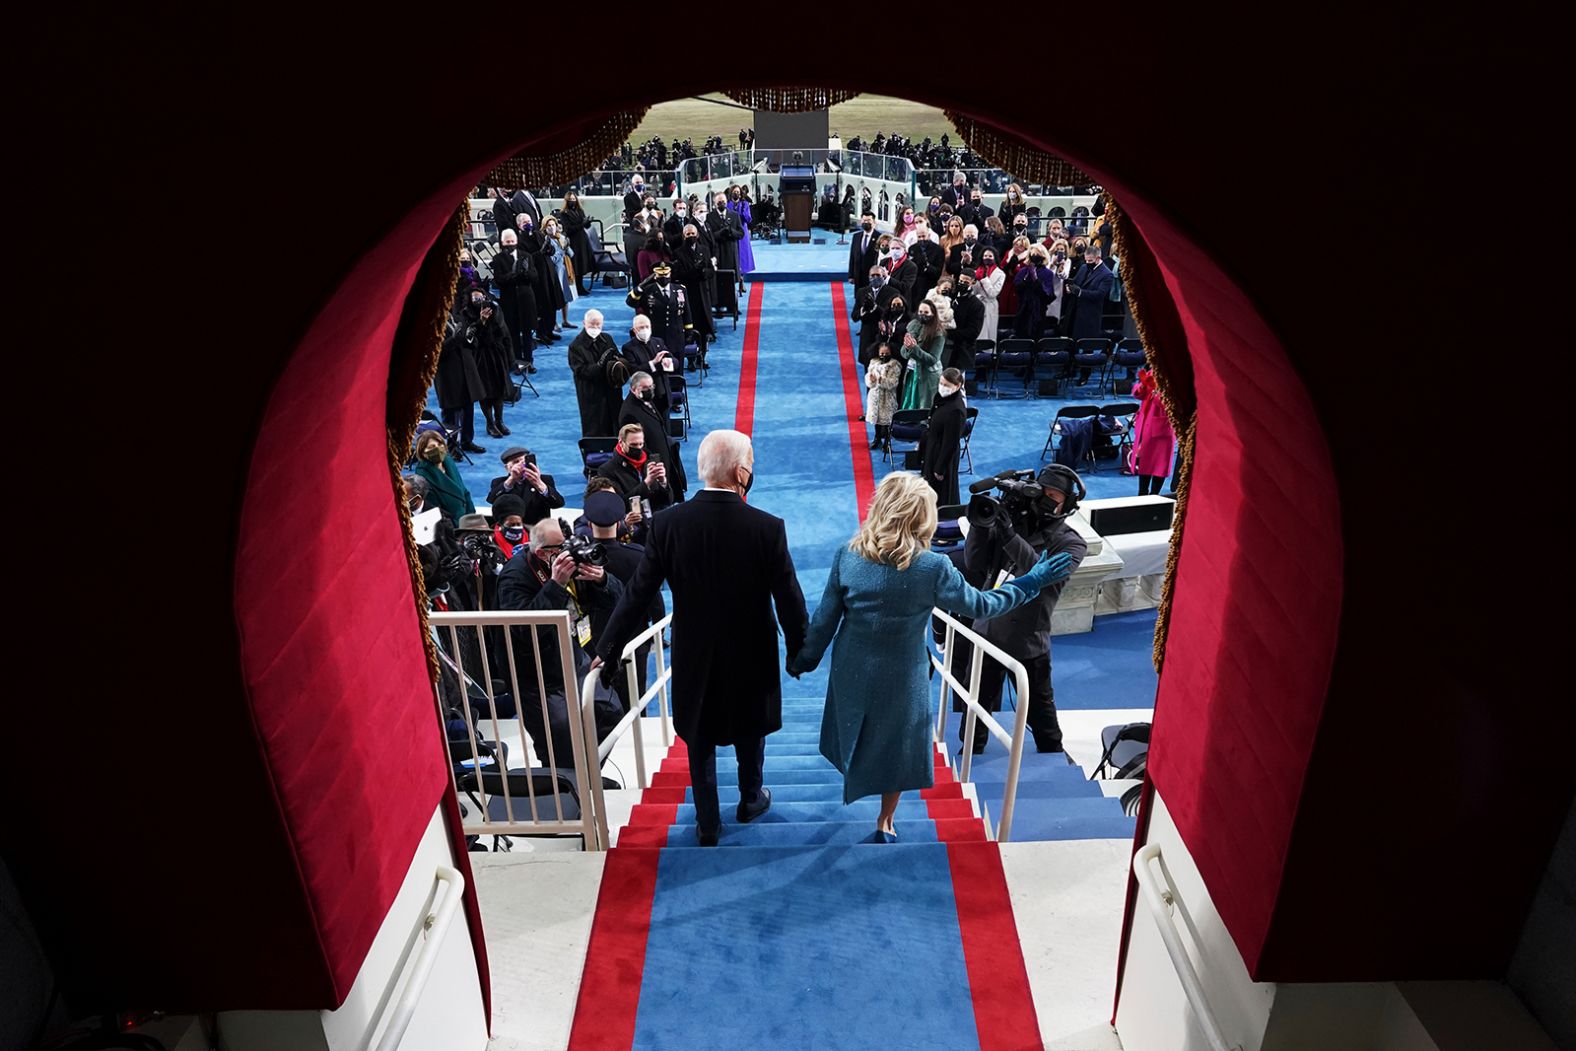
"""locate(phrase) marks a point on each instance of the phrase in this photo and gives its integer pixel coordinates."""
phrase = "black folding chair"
(678, 404)
(1053, 360)
(725, 279)
(1090, 359)
(1015, 354)
(1129, 355)
(949, 530)
(984, 368)
(695, 358)
(1066, 412)
(969, 417)
(594, 452)
(908, 425)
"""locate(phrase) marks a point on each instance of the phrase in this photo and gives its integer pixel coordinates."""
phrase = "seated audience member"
(608, 518)
(634, 471)
(445, 488)
(642, 407)
(546, 577)
(524, 479)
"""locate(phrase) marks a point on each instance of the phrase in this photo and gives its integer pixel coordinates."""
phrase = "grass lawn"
(863, 116)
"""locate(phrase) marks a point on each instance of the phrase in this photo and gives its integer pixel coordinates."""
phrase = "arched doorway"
(310, 633)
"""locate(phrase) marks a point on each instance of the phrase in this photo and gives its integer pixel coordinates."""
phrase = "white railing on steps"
(1166, 905)
(630, 721)
(434, 925)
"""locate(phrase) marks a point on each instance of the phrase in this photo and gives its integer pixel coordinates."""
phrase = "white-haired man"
(515, 272)
(728, 566)
(598, 388)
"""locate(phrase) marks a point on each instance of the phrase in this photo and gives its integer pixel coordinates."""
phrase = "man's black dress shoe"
(705, 838)
(749, 812)
(472, 447)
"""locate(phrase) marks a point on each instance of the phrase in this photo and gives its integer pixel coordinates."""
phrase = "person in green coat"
(921, 353)
(878, 721)
(445, 488)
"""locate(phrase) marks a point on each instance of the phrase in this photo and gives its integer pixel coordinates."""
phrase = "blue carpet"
(790, 946)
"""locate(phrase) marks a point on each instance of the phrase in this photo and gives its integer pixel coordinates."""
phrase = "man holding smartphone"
(522, 478)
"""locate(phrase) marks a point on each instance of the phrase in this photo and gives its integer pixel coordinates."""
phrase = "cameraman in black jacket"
(546, 577)
(1025, 633)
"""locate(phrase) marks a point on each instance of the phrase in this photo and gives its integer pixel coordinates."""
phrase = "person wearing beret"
(523, 479)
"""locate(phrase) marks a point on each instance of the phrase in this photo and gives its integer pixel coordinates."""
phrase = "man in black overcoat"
(515, 273)
(728, 566)
(727, 230)
(589, 353)
(648, 353)
(870, 305)
(692, 268)
(643, 407)
(940, 447)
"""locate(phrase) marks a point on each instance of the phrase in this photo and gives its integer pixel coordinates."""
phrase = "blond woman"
(876, 728)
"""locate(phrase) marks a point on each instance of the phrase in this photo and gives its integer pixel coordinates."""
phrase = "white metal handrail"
(555, 821)
(434, 924)
(631, 719)
(1162, 898)
(973, 710)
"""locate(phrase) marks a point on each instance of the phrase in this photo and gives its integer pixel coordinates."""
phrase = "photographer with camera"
(1008, 536)
(609, 522)
(524, 479)
(635, 471)
(559, 574)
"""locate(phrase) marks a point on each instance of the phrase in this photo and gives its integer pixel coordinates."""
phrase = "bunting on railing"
(789, 100)
(1022, 162)
(561, 166)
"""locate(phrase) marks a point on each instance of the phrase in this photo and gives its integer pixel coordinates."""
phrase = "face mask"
(477, 303)
(1020, 228)
(990, 260)
(691, 238)
(866, 227)
(877, 281)
(749, 481)
(435, 453)
(945, 391)
(895, 310)
(513, 534)
(969, 240)
(644, 335)
(700, 214)
(526, 226)
(662, 281)
(593, 331)
(925, 319)
(679, 211)
(646, 395)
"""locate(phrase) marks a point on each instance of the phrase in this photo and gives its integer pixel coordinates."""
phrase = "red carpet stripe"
(998, 980)
(854, 404)
(744, 415)
(616, 956)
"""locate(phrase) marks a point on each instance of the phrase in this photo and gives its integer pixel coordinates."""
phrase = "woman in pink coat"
(1154, 442)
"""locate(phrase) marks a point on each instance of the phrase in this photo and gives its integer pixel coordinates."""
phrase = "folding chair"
(1053, 361)
(1129, 355)
(1015, 354)
(908, 425)
(678, 404)
(727, 279)
(968, 432)
(1121, 747)
(984, 367)
(694, 360)
(1123, 412)
(949, 531)
(594, 452)
(1090, 358)
(1066, 412)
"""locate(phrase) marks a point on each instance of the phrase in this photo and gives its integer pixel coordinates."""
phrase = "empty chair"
(594, 452)
(695, 359)
(968, 432)
(1015, 354)
(678, 405)
(1066, 412)
(949, 528)
(1090, 357)
(1125, 747)
(1053, 361)
(1129, 355)
(984, 367)
(908, 425)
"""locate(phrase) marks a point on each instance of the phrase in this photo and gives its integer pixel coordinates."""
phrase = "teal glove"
(1050, 569)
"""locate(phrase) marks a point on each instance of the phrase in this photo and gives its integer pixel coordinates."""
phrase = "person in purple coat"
(1035, 284)
(741, 207)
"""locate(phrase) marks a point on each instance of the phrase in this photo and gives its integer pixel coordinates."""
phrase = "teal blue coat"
(878, 721)
(445, 489)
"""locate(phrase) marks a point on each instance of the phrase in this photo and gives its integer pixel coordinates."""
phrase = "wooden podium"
(798, 207)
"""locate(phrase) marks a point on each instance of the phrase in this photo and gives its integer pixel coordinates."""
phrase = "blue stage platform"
(821, 260)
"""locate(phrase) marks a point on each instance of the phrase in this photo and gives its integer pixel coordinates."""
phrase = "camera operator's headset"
(1064, 480)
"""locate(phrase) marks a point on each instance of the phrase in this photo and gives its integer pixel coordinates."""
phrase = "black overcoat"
(595, 392)
(728, 567)
(653, 419)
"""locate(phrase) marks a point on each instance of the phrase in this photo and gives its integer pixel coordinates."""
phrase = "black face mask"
(692, 239)
(749, 481)
(513, 534)
(645, 395)
(662, 281)
(866, 227)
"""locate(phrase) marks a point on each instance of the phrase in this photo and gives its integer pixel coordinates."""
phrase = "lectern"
(798, 194)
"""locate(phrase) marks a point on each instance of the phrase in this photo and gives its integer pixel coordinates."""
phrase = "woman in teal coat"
(445, 489)
(921, 353)
(877, 725)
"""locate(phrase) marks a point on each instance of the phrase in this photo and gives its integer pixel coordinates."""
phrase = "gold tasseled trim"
(789, 100)
(567, 165)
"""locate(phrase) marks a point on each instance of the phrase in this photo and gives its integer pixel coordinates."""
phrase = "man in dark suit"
(634, 199)
(958, 196)
(643, 408)
(503, 214)
(728, 566)
(1086, 292)
(870, 306)
(863, 251)
(635, 471)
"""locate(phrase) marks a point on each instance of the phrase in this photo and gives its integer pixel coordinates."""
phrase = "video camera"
(1022, 506)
